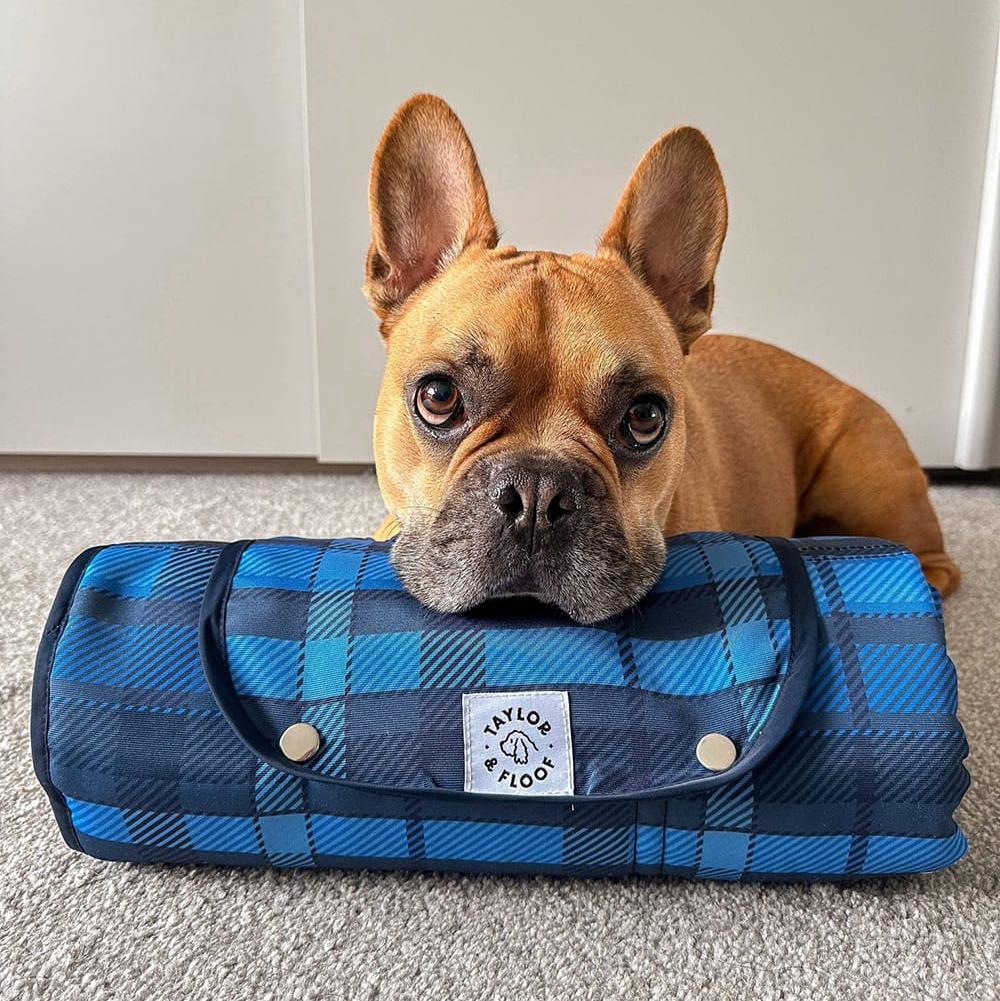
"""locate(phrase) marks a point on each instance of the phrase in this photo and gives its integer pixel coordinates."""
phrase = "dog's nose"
(533, 497)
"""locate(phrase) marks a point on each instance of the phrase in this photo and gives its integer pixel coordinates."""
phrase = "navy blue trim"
(853, 545)
(801, 662)
(54, 626)
(803, 624)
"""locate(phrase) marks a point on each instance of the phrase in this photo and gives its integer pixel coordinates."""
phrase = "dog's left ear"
(669, 226)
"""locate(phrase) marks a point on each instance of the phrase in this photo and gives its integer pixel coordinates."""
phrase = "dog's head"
(530, 426)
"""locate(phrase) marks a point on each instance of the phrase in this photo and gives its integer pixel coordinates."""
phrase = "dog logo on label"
(515, 745)
(523, 736)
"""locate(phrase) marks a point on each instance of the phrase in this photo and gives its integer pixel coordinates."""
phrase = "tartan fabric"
(849, 763)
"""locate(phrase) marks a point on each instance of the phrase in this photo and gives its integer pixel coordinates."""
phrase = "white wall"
(154, 292)
(851, 136)
(154, 238)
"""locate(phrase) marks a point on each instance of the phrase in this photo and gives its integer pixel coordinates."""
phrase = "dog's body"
(777, 446)
(545, 420)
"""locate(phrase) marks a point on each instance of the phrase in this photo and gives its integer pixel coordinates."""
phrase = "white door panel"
(851, 137)
(154, 278)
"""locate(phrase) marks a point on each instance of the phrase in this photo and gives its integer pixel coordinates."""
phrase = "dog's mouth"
(592, 576)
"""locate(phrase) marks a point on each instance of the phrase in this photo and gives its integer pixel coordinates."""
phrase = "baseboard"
(281, 464)
(951, 474)
(173, 464)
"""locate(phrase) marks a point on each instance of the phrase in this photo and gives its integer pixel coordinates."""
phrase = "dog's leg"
(865, 480)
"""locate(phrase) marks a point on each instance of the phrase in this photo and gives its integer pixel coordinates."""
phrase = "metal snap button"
(299, 742)
(716, 752)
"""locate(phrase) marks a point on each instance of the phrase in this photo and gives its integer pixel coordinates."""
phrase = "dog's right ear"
(427, 201)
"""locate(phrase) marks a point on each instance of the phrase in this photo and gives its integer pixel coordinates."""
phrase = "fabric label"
(518, 743)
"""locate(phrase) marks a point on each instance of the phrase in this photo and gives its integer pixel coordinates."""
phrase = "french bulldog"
(545, 422)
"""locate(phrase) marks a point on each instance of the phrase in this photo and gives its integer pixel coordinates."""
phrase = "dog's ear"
(669, 226)
(427, 201)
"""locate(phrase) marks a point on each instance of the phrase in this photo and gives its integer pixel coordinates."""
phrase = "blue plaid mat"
(168, 673)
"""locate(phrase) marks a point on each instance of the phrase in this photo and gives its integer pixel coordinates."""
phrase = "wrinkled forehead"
(580, 317)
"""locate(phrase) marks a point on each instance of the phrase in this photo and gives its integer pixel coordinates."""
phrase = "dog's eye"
(439, 403)
(644, 422)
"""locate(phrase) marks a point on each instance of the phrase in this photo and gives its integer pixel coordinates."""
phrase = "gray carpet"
(75, 928)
